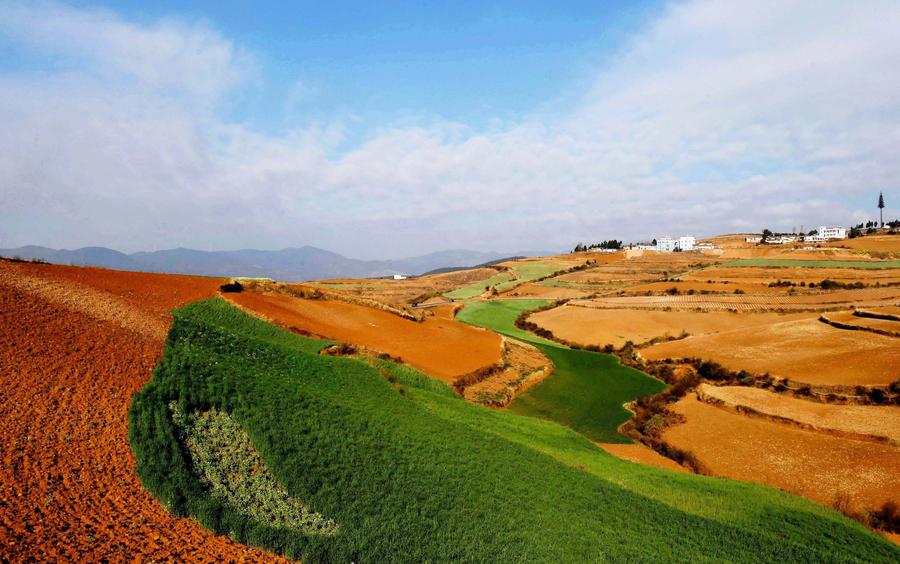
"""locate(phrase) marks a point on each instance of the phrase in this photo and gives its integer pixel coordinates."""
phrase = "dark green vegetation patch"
(586, 391)
(409, 472)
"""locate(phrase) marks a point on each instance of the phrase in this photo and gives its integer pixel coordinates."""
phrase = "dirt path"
(75, 344)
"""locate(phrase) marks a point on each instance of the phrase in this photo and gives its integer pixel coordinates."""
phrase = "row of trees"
(611, 244)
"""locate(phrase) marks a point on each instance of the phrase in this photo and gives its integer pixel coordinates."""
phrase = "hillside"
(427, 476)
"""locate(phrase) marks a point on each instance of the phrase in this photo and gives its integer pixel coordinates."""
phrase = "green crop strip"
(410, 472)
(586, 391)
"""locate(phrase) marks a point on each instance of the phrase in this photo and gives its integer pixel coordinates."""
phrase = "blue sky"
(473, 62)
(384, 130)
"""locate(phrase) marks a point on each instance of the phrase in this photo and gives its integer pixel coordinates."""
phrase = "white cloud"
(717, 116)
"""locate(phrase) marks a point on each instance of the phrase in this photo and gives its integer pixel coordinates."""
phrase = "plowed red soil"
(441, 347)
(808, 463)
(75, 344)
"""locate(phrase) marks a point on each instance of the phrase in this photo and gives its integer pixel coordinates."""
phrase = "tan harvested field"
(804, 350)
(762, 276)
(648, 267)
(75, 344)
(546, 292)
(810, 301)
(848, 318)
(403, 292)
(588, 326)
(879, 243)
(881, 422)
(812, 464)
(793, 251)
(641, 454)
(441, 347)
(699, 286)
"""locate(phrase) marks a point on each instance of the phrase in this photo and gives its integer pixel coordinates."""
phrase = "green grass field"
(791, 263)
(586, 390)
(399, 468)
(394, 467)
(528, 271)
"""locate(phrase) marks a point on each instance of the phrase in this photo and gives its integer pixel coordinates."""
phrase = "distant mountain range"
(292, 264)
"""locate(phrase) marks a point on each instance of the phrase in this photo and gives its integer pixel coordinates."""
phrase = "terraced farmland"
(406, 470)
(804, 350)
(586, 391)
(820, 301)
(798, 263)
(816, 465)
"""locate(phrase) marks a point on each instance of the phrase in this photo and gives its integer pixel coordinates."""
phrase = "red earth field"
(441, 347)
(75, 344)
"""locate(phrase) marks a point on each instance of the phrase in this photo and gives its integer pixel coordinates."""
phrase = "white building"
(669, 244)
(399, 277)
(755, 239)
(828, 233)
(666, 244)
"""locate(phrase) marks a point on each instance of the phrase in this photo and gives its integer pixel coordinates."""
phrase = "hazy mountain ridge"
(291, 264)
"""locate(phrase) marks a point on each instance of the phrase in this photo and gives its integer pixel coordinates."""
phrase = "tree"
(881, 207)
(765, 235)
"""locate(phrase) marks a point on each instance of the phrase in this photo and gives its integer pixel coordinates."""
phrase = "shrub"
(231, 287)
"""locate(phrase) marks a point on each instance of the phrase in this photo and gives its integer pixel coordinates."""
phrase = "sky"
(384, 129)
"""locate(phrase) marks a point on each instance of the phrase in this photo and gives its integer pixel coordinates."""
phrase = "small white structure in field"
(754, 239)
(399, 277)
(828, 233)
(669, 244)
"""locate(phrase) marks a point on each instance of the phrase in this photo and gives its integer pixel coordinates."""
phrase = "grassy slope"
(525, 272)
(422, 475)
(586, 390)
(476, 288)
(763, 262)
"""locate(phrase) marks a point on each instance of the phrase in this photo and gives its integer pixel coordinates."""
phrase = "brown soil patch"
(805, 350)
(811, 464)
(440, 347)
(642, 455)
(588, 326)
(882, 422)
(72, 352)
